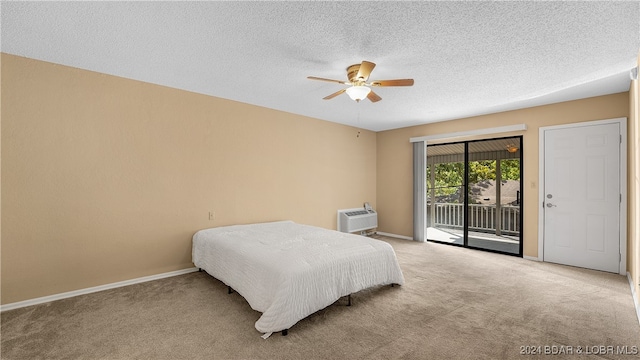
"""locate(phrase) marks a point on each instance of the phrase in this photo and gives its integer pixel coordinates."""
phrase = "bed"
(288, 271)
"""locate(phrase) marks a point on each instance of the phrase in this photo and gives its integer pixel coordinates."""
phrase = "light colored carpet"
(456, 304)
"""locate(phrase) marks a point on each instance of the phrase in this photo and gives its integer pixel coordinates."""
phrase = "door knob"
(551, 205)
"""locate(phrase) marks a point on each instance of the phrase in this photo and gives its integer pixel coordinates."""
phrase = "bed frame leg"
(285, 332)
(393, 285)
(349, 303)
(199, 269)
(229, 290)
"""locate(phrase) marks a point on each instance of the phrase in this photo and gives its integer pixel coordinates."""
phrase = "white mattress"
(288, 271)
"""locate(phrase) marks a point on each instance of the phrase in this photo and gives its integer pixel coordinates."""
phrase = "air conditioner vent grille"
(359, 219)
(353, 213)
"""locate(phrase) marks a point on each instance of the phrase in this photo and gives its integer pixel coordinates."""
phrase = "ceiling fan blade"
(365, 70)
(329, 80)
(373, 97)
(397, 82)
(329, 97)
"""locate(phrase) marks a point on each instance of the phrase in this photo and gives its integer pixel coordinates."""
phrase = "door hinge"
(620, 138)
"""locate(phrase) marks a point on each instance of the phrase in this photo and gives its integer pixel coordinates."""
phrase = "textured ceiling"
(467, 58)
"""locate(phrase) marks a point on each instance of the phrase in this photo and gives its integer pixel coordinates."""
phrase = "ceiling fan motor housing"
(352, 72)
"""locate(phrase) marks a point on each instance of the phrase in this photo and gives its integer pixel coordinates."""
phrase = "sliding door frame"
(466, 203)
(418, 197)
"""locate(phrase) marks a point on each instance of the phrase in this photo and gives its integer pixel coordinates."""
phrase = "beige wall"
(394, 166)
(106, 179)
(633, 253)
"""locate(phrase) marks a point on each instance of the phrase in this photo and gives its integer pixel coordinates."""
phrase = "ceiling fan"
(358, 75)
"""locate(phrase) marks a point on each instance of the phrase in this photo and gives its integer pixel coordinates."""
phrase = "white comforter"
(288, 271)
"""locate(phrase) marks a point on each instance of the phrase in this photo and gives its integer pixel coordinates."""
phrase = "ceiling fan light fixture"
(358, 93)
(512, 148)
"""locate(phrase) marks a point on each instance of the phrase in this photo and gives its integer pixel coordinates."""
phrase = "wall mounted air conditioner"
(358, 219)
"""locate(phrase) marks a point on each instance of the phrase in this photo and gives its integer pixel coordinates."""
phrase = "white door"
(582, 196)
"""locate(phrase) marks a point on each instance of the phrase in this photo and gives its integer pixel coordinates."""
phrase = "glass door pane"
(494, 195)
(445, 193)
(474, 194)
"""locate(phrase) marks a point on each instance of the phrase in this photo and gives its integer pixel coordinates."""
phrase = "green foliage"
(449, 176)
(510, 169)
(482, 170)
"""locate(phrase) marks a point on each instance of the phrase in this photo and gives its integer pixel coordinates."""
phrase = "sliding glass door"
(474, 194)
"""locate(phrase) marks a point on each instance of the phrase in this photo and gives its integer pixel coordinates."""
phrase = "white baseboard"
(394, 235)
(533, 258)
(634, 295)
(45, 299)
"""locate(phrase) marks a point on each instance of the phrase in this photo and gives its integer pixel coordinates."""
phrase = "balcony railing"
(481, 217)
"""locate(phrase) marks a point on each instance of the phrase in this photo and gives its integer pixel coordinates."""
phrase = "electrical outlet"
(212, 215)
